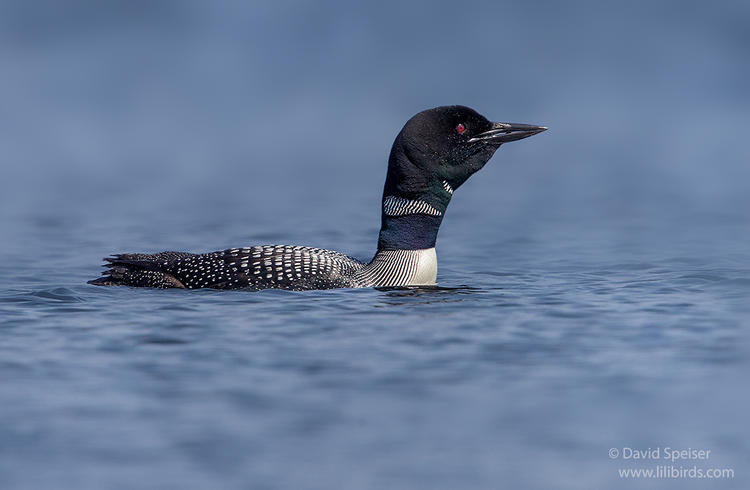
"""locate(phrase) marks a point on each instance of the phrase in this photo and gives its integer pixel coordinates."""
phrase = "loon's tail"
(139, 270)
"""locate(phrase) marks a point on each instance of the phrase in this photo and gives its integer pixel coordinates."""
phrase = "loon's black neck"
(410, 232)
(413, 205)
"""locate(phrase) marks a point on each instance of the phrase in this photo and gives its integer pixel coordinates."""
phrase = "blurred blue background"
(174, 101)
(610, 254)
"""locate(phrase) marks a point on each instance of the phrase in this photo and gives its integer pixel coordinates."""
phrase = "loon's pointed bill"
(506, 132)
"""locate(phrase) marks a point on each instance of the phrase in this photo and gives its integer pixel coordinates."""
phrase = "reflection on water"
(426, 294)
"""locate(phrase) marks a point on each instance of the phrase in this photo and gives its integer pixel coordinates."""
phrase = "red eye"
(460, 129)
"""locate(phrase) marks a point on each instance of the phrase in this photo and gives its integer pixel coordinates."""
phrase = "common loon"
(436, 151)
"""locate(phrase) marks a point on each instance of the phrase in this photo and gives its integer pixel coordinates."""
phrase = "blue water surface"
(594, 280)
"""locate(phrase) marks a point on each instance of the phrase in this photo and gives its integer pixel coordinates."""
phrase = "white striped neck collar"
(398, 206)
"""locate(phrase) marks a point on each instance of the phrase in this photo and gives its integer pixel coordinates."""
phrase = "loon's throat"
(413, 224)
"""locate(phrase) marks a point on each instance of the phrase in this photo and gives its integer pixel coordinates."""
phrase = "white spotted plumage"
(281, 267)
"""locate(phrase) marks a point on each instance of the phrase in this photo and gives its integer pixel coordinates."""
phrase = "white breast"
(399, 268)
(426, 273)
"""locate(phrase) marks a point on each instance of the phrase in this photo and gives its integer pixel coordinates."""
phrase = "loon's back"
(435, 152)
(269, 267)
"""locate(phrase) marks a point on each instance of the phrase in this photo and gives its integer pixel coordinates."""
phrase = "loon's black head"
(435, 152)
(446, 145)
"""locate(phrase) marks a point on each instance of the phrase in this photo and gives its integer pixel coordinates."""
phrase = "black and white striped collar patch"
(398, 206)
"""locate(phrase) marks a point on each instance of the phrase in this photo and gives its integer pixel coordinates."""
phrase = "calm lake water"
(540, 351)
(594, 280)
